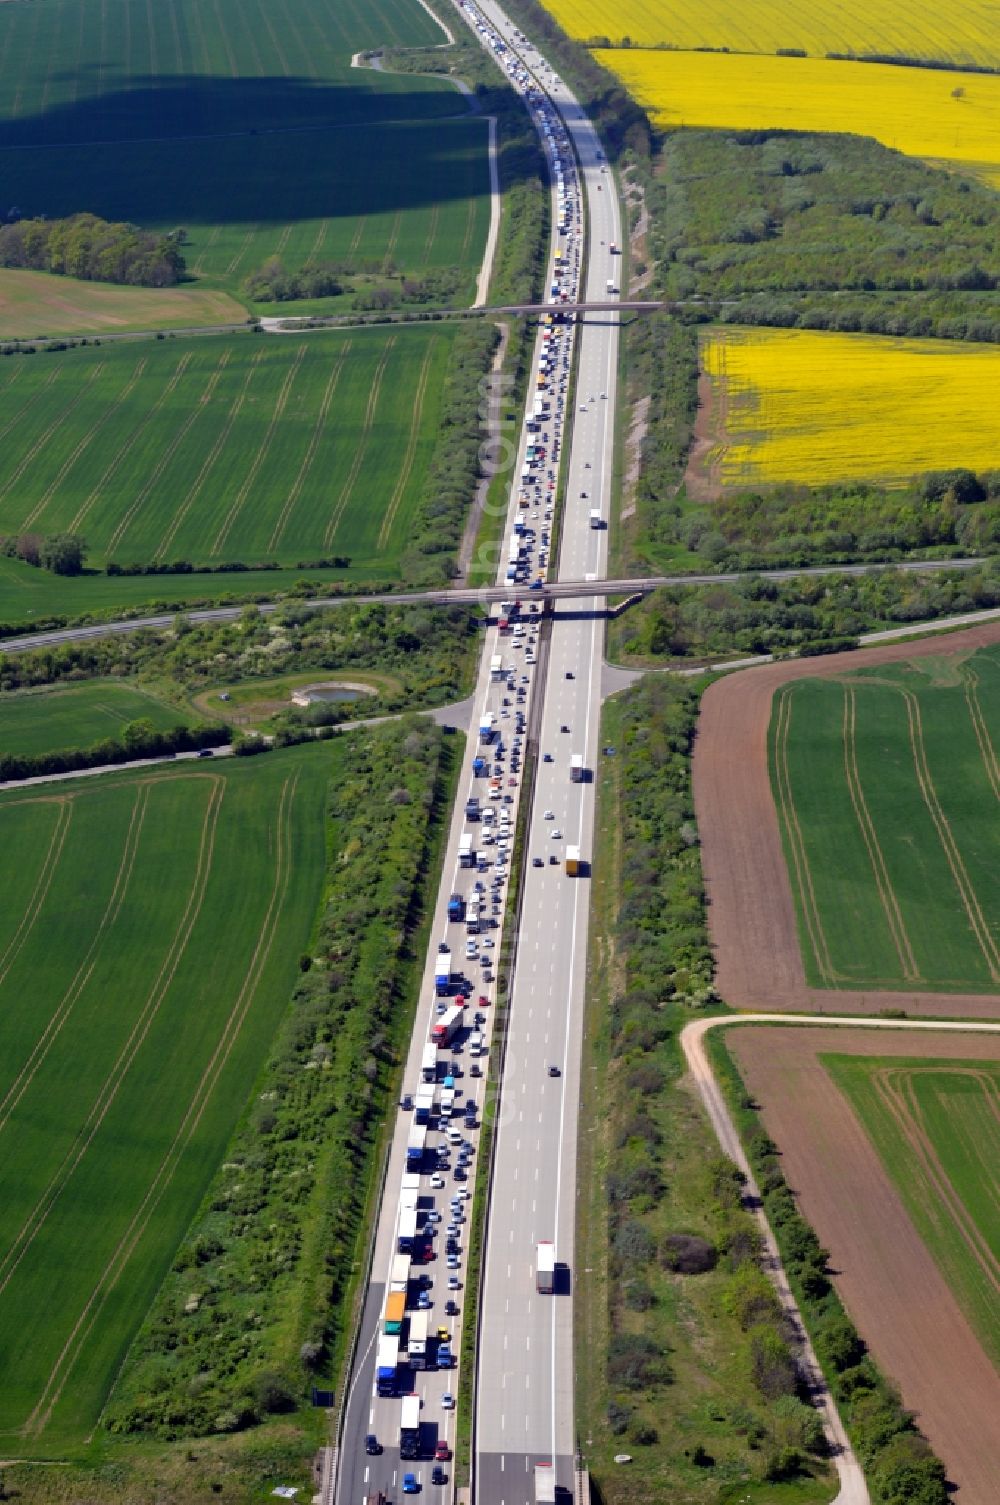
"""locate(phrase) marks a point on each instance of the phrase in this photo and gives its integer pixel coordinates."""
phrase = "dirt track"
(886, 1277)
(751, 913)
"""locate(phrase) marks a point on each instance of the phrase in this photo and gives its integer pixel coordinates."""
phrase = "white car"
(437, 1180)
(549, 815)
(471, 949)
(556, 835)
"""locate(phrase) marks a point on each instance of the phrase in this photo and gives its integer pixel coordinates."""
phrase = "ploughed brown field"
(751, 913)
(886, 1277)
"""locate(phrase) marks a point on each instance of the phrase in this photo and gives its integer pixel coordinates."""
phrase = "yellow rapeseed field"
(805, 406)
(930, 113)
(960, 31)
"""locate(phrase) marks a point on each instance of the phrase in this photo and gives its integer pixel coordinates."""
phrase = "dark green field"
(214, 449)
(936, 1127)
(247, 126)
(78, 715)
(887, 785)
(148, 943)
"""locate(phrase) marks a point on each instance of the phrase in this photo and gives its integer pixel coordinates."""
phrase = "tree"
(63, 553)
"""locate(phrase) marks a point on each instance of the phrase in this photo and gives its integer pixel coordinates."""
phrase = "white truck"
(428, 1064)
(576, 768)
(545, 1484)
(416, 1347)
(596, 520)
(545, 1268)
(409, 1427)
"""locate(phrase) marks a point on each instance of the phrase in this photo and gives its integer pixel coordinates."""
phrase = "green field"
(936, 1126)
(247, 126)
(148, 943)
(214, 449)
(886, 783)
(79, 715)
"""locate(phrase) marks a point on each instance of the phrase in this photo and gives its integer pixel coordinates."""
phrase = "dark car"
(372, 1445)
(537, 862)
(438, 1475)
(553, 1071)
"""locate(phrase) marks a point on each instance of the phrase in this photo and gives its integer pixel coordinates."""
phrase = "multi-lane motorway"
(547, 678)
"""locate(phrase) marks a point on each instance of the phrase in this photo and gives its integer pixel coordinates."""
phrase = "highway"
(514, 655)
(562, 589)
(524, 1390)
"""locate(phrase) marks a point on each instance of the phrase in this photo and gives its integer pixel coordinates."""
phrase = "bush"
(633, 1244)
(687, 1254)
(635, 1362)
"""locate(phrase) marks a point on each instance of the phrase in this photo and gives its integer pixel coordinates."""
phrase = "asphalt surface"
(524, 1391)
(505, 692)
(561, 589)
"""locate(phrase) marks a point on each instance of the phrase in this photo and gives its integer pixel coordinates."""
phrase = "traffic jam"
(422, 1310)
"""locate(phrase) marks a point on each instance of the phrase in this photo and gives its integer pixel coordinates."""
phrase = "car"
(569, 673)
(451, 1308)
(442, 947)
(410, 1485)
(538, 862)
(424, 1302)
(553, 1071)
(442, 1452)
(546, 757)
(555, 835)
(448, 1401)
(549, 815)
(406, 1102)
(372, 1445)
(482, 1001)
(437, 1180)
(564, 728)
(553, 859)
(438, 1475)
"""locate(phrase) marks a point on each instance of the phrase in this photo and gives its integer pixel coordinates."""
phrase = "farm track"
(210, 459)
(32, 1225)
(890, 1283)
(793, 828)
(43, 439)
(360, 446)
(82, 976)
(258, 459)
(169, 451)
(62, 1369)
(310, 454)
(970, 680)
(411, 450)
(127, 446)
(86, 441)
(41, 888)
(869, 835)
(751, 913)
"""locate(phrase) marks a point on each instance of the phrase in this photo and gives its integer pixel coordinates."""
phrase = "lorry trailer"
(399, 1274)
(451, 1020)
(576, 768)
(545, 1268)
(423, 1103)
(385, 1364)
(409, 1427)
(416, 1344)
(406, 1232)
(545, 1484)
(442, 972)
(573, 862)
(415, 1146)
(429, 1062)
(395, 1311)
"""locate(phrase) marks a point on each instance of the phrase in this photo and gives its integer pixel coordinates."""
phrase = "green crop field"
(886, 784)
(149, 937)
(78, 715)
(936, 1127)
(214, 449)
(248, 127)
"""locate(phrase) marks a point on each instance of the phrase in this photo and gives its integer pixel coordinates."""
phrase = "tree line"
(85, 246)
(139, 739)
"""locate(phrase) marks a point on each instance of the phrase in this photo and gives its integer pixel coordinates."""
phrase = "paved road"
(505, 693)
(525, 1411)
(561, 589)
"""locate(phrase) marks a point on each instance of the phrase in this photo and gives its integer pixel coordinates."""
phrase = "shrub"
(635, 1362)
(687, 1254)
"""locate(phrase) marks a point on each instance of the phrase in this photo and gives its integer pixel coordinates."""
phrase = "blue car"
(410, 1485)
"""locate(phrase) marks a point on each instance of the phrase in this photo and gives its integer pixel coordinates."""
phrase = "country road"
(853, 1489)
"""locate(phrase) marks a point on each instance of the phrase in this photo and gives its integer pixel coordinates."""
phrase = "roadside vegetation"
(898, 1462)
(426, 655)
(681, 1359)
(745, 617)
(271, 1253)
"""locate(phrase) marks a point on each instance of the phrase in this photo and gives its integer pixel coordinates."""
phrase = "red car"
(442, 1452)
(484, 1002)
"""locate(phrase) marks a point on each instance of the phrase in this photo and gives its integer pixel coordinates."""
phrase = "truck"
(399, 1274)
(447, 1102)
(611, 285)
(443, 1028)
(576, 768)
(456, 907)
(487, 727)
(466, 855)
(409, 1427)
(545, 1484)
(442, 971)
(416, 1347)
(596, 520)
(514, 549)
(429, 1062)
(480, 765)
(395, 1310)
(406, 1231)
(415, 1146)
(545, 1268)
(572, 862)
(496, 667)
(423, 1103)
(472, 803)
(539, 407)
(385, 1363)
